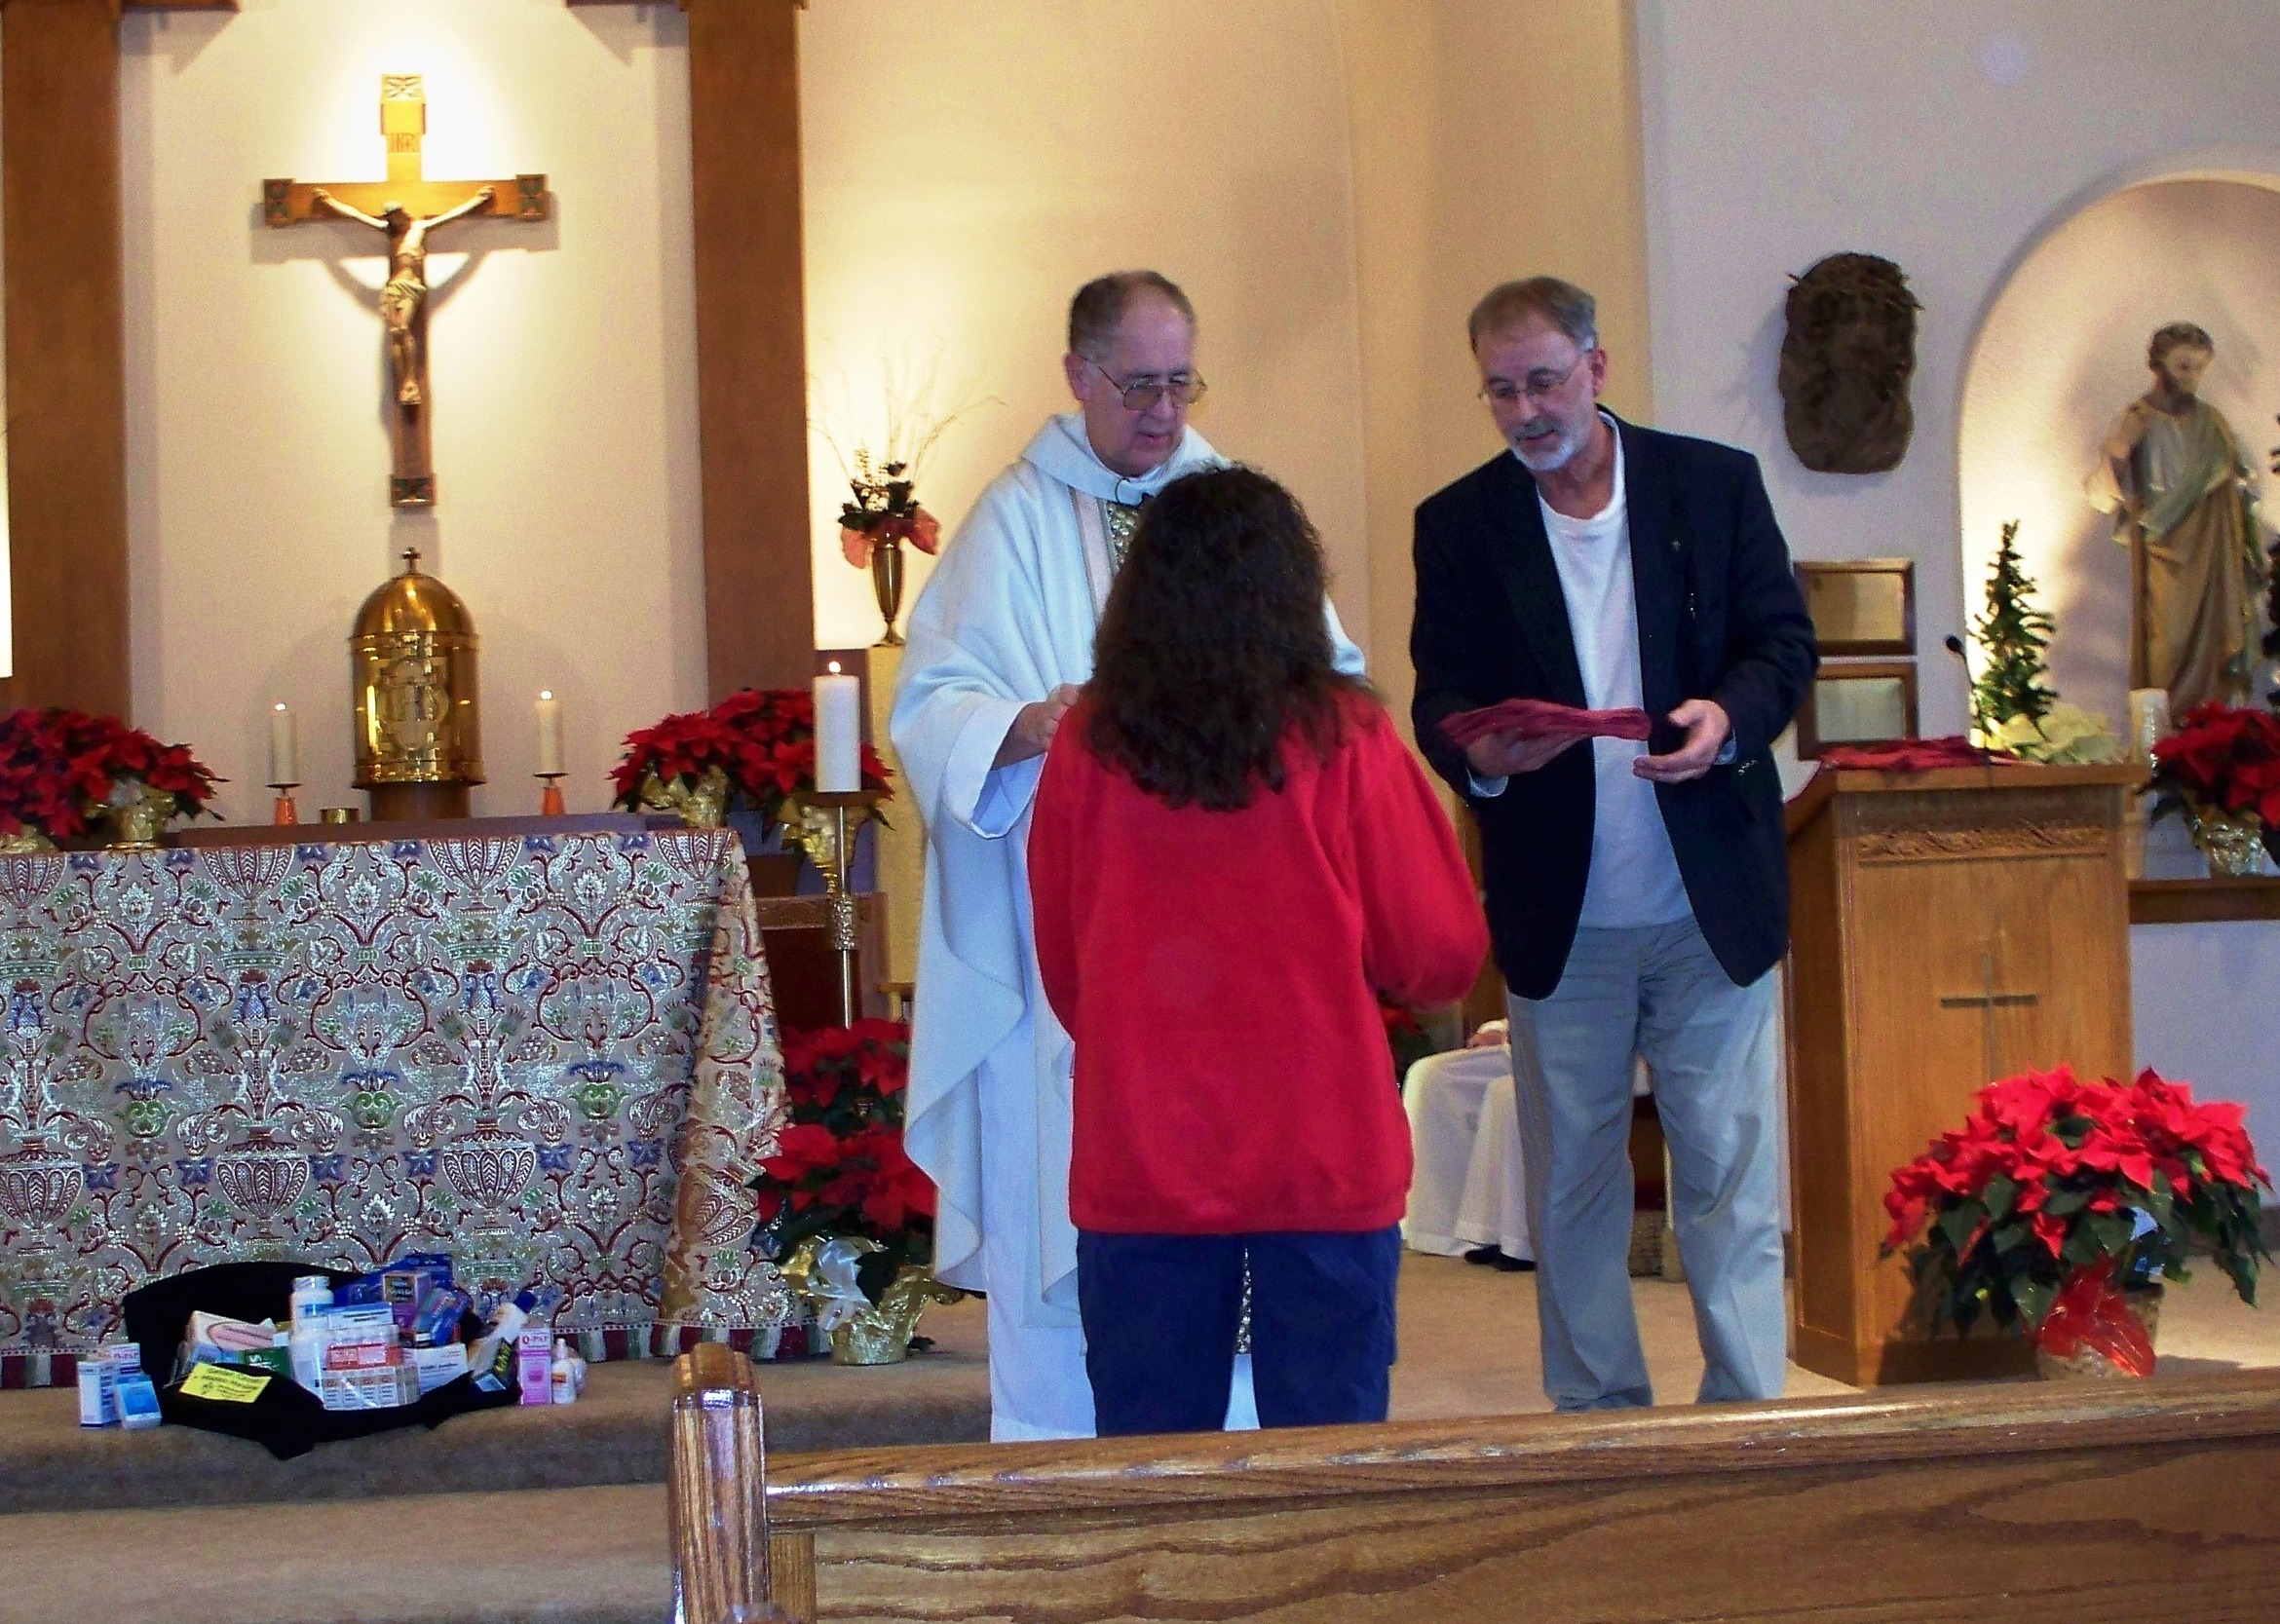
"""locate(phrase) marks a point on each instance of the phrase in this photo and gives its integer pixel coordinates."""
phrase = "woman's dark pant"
(1160, 1326)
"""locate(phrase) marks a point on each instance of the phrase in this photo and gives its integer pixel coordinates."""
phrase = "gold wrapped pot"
(419, 718)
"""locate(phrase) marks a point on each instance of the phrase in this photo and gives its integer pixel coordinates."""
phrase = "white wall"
(2064, 349)
(1947, 135)
(966, 172)
(562, 360)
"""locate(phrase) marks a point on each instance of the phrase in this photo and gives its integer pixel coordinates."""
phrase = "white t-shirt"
(1634, 873)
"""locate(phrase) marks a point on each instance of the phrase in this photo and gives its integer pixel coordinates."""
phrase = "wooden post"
(66, 355)
(751, 344)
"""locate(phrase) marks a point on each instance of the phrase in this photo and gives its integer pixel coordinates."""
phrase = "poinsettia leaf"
(2066, 1202)
(2000, 1193)
(1959, 1222)
(2009, 1237)
(2033, 1298)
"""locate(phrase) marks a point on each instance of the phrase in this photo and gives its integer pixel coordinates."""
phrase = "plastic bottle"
(569, 1372)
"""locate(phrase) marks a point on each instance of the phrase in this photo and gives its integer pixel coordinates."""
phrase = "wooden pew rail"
(2015, 1501)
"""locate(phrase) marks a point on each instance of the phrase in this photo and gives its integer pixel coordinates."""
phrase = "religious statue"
(1847, 361)
(2174, 477)
(406, 292)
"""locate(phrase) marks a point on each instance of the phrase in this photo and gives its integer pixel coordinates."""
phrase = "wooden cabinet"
(1947, 929)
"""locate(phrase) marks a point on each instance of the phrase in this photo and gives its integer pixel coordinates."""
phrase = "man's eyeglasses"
(1540, 385)
(1139, 394)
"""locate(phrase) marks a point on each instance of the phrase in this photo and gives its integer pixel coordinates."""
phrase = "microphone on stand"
(1955, 646)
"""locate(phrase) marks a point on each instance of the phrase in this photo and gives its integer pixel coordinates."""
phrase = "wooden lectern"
(1948, 928)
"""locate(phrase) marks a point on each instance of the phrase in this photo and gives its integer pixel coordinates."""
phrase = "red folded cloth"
(1913, 755)
(1545, 719)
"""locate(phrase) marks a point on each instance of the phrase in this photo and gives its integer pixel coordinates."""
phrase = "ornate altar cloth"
(552, 1056)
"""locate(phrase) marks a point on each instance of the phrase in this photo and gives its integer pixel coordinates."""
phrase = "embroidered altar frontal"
(551, 1056)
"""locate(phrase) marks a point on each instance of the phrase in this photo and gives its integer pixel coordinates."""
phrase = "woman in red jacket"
(1230, 853)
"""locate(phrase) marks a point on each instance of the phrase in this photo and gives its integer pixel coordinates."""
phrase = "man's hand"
(1707, 729)
(1501, 755)
(1033, 730)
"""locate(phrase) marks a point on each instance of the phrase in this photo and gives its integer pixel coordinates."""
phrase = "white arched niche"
(2062, 349)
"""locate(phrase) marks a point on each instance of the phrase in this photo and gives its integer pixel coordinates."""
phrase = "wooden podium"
(1948, 928)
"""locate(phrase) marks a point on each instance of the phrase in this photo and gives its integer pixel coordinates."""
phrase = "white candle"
(839, 733)
(284, 756)
(550, 728)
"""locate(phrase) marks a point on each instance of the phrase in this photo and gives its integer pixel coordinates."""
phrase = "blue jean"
(1160, 1313)
(1712, 1048)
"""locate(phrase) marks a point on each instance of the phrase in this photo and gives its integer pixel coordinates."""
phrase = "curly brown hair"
(1213, 647)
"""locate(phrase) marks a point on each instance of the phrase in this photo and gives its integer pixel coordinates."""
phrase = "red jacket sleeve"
(1052, 907)
(1423, 933)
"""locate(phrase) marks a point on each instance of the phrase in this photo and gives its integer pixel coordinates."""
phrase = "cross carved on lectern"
(409, 207)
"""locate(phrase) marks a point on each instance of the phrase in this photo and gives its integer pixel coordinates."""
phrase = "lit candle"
(550, 728)
(283, 754)
(839, 733)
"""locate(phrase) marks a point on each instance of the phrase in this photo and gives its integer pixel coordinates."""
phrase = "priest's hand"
(1707, 728)
(1033, 730)
(1501, 755)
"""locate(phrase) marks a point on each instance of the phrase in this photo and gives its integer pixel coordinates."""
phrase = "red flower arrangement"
(840, 1168)
(1406, 1040)
(882, 509)
(2222, 759)
(761, 741)
(2058, 1194)
(60, 769)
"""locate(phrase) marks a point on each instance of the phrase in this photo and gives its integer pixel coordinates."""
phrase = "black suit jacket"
(1720, 618)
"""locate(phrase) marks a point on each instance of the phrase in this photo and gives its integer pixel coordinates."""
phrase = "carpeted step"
(615, 1434)
(560, 1556)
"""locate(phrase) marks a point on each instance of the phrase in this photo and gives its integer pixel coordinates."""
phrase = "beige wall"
(562, 357)
(965, 175)
(1493, 140)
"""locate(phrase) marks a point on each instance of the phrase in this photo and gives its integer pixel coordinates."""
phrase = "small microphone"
(1956, 647)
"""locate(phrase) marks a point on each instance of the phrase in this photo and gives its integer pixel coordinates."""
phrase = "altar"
(553, 1054)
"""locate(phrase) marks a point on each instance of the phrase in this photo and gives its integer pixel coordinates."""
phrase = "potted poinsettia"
(2062, 1207)
(845, 1214)
(66, 775)
(757, 746)
(2222, 769)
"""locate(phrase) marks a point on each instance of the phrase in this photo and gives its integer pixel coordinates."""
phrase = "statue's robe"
(2196, 559)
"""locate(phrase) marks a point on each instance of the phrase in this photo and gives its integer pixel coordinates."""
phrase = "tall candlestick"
(284, 756)
(839, 733)
(550, 734)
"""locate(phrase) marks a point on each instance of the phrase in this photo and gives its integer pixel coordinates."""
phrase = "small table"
(550, 1051)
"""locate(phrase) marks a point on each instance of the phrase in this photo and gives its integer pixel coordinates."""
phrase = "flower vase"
(887, 586)
(2232, 842)
(138, 815)
(2117, 1352)
(700, 802)
(882, 1335)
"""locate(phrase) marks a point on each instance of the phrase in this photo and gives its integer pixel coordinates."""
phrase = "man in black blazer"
(1638, 893)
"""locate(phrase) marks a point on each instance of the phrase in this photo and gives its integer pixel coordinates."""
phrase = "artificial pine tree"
(2012, 636)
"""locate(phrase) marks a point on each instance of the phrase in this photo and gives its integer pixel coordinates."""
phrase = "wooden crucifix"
(409, 207)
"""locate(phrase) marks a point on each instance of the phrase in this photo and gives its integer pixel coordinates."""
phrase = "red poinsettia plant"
(2061, 1195)
(2222, 759)
(840, 1168)
(882, 509)
(761, 740)
(59, 770)
(1406, 1040)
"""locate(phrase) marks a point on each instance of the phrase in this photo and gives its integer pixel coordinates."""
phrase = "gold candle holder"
(828, 839)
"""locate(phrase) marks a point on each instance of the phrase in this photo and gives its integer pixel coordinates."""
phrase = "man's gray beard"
(1562, 453)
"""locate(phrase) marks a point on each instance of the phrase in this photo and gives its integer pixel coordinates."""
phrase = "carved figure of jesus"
(406, 292)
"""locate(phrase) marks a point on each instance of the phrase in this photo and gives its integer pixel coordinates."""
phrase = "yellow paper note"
(228, 1386)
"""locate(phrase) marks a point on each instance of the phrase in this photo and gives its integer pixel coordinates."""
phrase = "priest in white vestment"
(998, 642)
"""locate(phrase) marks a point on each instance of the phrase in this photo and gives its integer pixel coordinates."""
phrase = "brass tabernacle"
(419, 723)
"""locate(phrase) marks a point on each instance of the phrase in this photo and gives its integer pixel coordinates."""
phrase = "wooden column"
(751, 343)
(66, 364)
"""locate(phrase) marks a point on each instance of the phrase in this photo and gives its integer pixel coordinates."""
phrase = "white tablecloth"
(1464, 1124)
